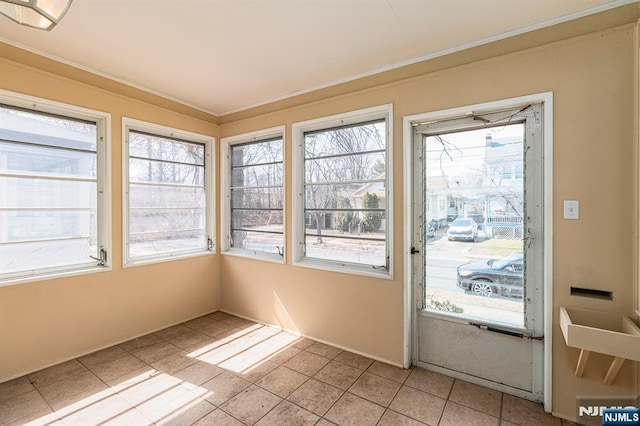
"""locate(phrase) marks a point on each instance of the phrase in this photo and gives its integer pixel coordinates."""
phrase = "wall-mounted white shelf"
(593, 331)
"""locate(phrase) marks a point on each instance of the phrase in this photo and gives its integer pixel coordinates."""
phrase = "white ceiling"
(222, 56)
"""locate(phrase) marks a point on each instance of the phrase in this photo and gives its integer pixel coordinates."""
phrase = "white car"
(463, 229)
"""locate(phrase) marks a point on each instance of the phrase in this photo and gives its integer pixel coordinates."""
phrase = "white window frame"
(350, 118)
(103, 179)
(131, 124)
(226, 144)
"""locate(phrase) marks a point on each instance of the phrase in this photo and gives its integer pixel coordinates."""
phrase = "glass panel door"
(474, 209)
(478, 248)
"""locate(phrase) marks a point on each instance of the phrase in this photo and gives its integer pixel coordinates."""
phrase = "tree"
(371, 220)
(345, 218)
(164, 212)
(480, 167)
(256, 180)
(337, 163)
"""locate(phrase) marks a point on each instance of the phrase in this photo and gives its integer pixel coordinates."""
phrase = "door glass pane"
(474, 210)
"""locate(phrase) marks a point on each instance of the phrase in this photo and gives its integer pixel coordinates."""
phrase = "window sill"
(53, 275)
(255, 255)
(344, 268)
(181, 256)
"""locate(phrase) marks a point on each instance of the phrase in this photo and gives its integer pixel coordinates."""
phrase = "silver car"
(465, 229)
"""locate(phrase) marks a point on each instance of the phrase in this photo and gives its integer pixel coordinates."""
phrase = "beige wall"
(591, 80)
(46, 322)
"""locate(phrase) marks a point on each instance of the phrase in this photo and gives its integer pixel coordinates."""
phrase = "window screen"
(345, 194)
(167, 196)
(48, 193)
(256, 193)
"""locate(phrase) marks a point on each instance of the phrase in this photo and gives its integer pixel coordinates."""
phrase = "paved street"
(442, 259)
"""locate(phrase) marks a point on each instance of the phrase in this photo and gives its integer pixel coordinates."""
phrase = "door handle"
(414, 250)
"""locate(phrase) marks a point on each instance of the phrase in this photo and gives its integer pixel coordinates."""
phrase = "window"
(54, 193)
(519, 171)
(168, 194)
(253, 178)
(342, 202)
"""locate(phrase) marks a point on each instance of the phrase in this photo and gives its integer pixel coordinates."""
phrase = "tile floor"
(223, 370)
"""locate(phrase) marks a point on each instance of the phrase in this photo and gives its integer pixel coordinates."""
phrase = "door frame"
(409, 311)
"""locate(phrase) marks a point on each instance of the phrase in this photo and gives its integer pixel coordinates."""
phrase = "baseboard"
(31, 371)
(316, 339)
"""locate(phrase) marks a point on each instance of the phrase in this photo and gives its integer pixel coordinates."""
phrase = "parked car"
(502, 277)
(431, 231)
(463, 229)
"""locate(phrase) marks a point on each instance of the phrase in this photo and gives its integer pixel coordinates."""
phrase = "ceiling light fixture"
(41, 14)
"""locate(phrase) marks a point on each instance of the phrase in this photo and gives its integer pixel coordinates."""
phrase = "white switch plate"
(571, 209)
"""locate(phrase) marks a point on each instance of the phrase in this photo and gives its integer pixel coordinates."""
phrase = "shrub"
(344, 218)
(371, 220)
(445, 306)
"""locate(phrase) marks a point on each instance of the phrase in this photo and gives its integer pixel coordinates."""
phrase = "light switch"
(571, 209)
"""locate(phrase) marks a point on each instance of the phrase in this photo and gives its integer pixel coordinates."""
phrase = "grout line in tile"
(244, 350)
(470, 408)
(245, 335)
(334, 403)
(442, 412)
(453, 384)
(35, 383)
(94, 374)
(402, 383)
(45, 400)
(351, 385)
(298, 387)
(335, 360)
(394, 396)
(413, 418)
(267, 413)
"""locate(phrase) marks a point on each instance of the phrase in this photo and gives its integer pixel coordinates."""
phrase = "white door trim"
(409, 313)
